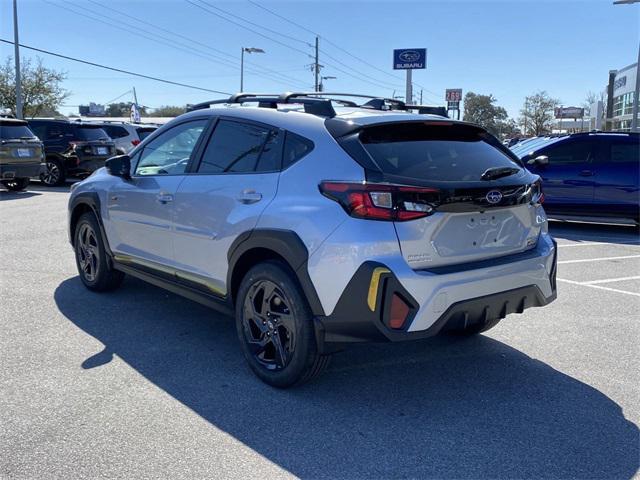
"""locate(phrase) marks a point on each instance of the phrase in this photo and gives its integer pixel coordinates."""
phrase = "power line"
(118, 97)
(114, 69)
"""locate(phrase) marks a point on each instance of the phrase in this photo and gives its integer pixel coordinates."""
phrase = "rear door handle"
(586, 173)
(249, 196)
(164, 198)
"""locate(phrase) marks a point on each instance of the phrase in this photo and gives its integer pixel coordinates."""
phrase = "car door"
(568, 178)
(140, 210)
(234, 181)
(616, 183)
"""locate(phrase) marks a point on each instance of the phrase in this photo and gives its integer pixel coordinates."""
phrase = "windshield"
(11, 132)
(449, 152)
(91, 133)
(525, 148)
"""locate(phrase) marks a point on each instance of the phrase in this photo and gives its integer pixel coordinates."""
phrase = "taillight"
(380, 201)
(135, 142)
(399, 312)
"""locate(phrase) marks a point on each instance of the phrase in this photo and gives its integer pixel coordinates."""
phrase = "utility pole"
(135, 97)
(16, 46)
(316, 66)
(420, 96)
(248, 50)
(408, 96)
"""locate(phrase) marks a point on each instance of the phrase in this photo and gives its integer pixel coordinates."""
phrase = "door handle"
(164, 198)
(586, 173)
(249, 196)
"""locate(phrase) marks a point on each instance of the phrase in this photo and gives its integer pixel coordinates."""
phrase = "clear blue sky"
(507, 48)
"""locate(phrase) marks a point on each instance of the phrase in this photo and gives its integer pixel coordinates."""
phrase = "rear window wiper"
(498, 172)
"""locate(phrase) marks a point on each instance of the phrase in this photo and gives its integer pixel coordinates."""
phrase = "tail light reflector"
(399, 312)
(380, 201)
(135, 142)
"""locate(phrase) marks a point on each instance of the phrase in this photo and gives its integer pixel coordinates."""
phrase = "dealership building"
(620, 93)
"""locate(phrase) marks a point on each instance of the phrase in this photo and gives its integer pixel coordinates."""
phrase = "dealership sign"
(569, 112)
(620, 82)
(409, 58)
(453, 94)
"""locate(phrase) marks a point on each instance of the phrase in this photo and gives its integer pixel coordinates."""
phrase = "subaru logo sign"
(494, 196)
(409, 58)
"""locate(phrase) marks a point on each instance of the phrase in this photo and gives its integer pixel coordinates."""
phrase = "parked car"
(320, 225)
(587, 175)
(71, 148)
(126, 135)
(21, 154)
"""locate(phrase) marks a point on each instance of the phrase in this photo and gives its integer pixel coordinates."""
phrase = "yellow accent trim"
(372, 298)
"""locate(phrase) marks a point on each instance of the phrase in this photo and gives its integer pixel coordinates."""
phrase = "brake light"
(380, 201)
(135, 142)
(399, 312)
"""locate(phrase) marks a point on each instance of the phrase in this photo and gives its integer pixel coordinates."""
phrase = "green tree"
(167, 111)
(122, 109)
(42, 92)
(537, 113)
(482, 109)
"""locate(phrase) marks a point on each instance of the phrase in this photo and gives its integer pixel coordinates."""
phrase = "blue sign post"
(409, 59)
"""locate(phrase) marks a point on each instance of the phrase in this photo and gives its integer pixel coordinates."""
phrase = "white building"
(620, 93)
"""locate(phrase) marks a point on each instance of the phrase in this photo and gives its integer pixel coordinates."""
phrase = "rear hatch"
(18, 144)
(92, 141)
(477, 200)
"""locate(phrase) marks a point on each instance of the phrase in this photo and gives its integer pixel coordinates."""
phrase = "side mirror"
(119, 166)
(540, 160)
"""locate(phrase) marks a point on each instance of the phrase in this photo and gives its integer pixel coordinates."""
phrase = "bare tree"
(42, 90)
(537, 113)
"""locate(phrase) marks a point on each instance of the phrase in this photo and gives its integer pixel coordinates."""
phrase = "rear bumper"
(19, 170)
(443, 299)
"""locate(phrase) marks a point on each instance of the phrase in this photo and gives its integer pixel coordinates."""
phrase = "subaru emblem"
(494, 196)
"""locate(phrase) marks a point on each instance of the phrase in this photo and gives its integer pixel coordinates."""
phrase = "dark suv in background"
(587, 176)
(71, 148)
(20, 154)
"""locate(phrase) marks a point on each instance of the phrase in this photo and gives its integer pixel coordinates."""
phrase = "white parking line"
(583, 260)
(587, 244)
(600, 287)
(609, 280)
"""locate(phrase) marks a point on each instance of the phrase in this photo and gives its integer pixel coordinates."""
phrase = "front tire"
(54, 173)
(16, 184)
(275, 327)
(94, 268)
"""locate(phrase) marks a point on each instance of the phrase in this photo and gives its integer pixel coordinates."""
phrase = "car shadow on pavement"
(440, 408)
(8, 195)
(594, 232)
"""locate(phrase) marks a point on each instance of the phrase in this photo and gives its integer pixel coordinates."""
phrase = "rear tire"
(16, 184)
(275, 327)
(94, 268)
(54, 173)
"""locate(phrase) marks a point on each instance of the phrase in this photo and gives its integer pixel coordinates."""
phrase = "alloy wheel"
(87, 248)
(268, 325)
(51, 174)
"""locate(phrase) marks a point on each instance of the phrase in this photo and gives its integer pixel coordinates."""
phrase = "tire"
(271, 310)
(16, 184)
(94, 267)
(54, 173)
(474, 328)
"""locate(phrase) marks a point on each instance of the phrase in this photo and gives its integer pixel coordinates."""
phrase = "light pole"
(248, 50)
(321, 88)
(17, 54)
(636, 95)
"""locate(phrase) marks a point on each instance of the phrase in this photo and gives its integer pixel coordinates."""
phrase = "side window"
(624, 151)
(115, 132)
(271, 155)
(295, 147)
(40, 131)
(569, 153)
(169, 153)
(234, 147)
(54, 131)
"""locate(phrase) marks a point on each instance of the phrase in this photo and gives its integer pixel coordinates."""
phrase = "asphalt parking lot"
(140, 383)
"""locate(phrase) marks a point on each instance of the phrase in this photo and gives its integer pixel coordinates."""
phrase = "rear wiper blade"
(498, 172)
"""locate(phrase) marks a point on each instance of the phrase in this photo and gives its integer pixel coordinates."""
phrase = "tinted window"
(622, 152)
(295, 148)
(169, 153)
(434, 152)
(39, 130)
(144, 132)
(234, 147)
(9, 131)
(569, 152)
(89, 133)
(115, 132)
(271, 155)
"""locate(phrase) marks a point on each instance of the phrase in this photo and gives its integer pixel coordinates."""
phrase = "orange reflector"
(399, 312)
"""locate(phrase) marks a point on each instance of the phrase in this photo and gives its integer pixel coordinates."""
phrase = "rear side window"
(235, 147)
(90, 133)
(295, 148)
(144, 132)
(422, 151)
(115, 132)
(625, 152)
(569, 152)
(10, 132)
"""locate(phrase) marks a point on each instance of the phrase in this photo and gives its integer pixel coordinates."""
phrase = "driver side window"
(169, 153)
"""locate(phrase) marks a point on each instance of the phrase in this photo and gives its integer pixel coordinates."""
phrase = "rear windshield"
(445, 153)
(90, 133)
(145, 132)
(10, 132)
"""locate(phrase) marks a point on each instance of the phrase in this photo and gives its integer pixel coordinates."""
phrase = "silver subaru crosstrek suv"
(319, 221)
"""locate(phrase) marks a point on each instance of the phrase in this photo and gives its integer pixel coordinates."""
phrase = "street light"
(321, 87)
(248, 50)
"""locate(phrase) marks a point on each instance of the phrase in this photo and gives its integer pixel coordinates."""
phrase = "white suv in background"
(320, 222)
(126, 135)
